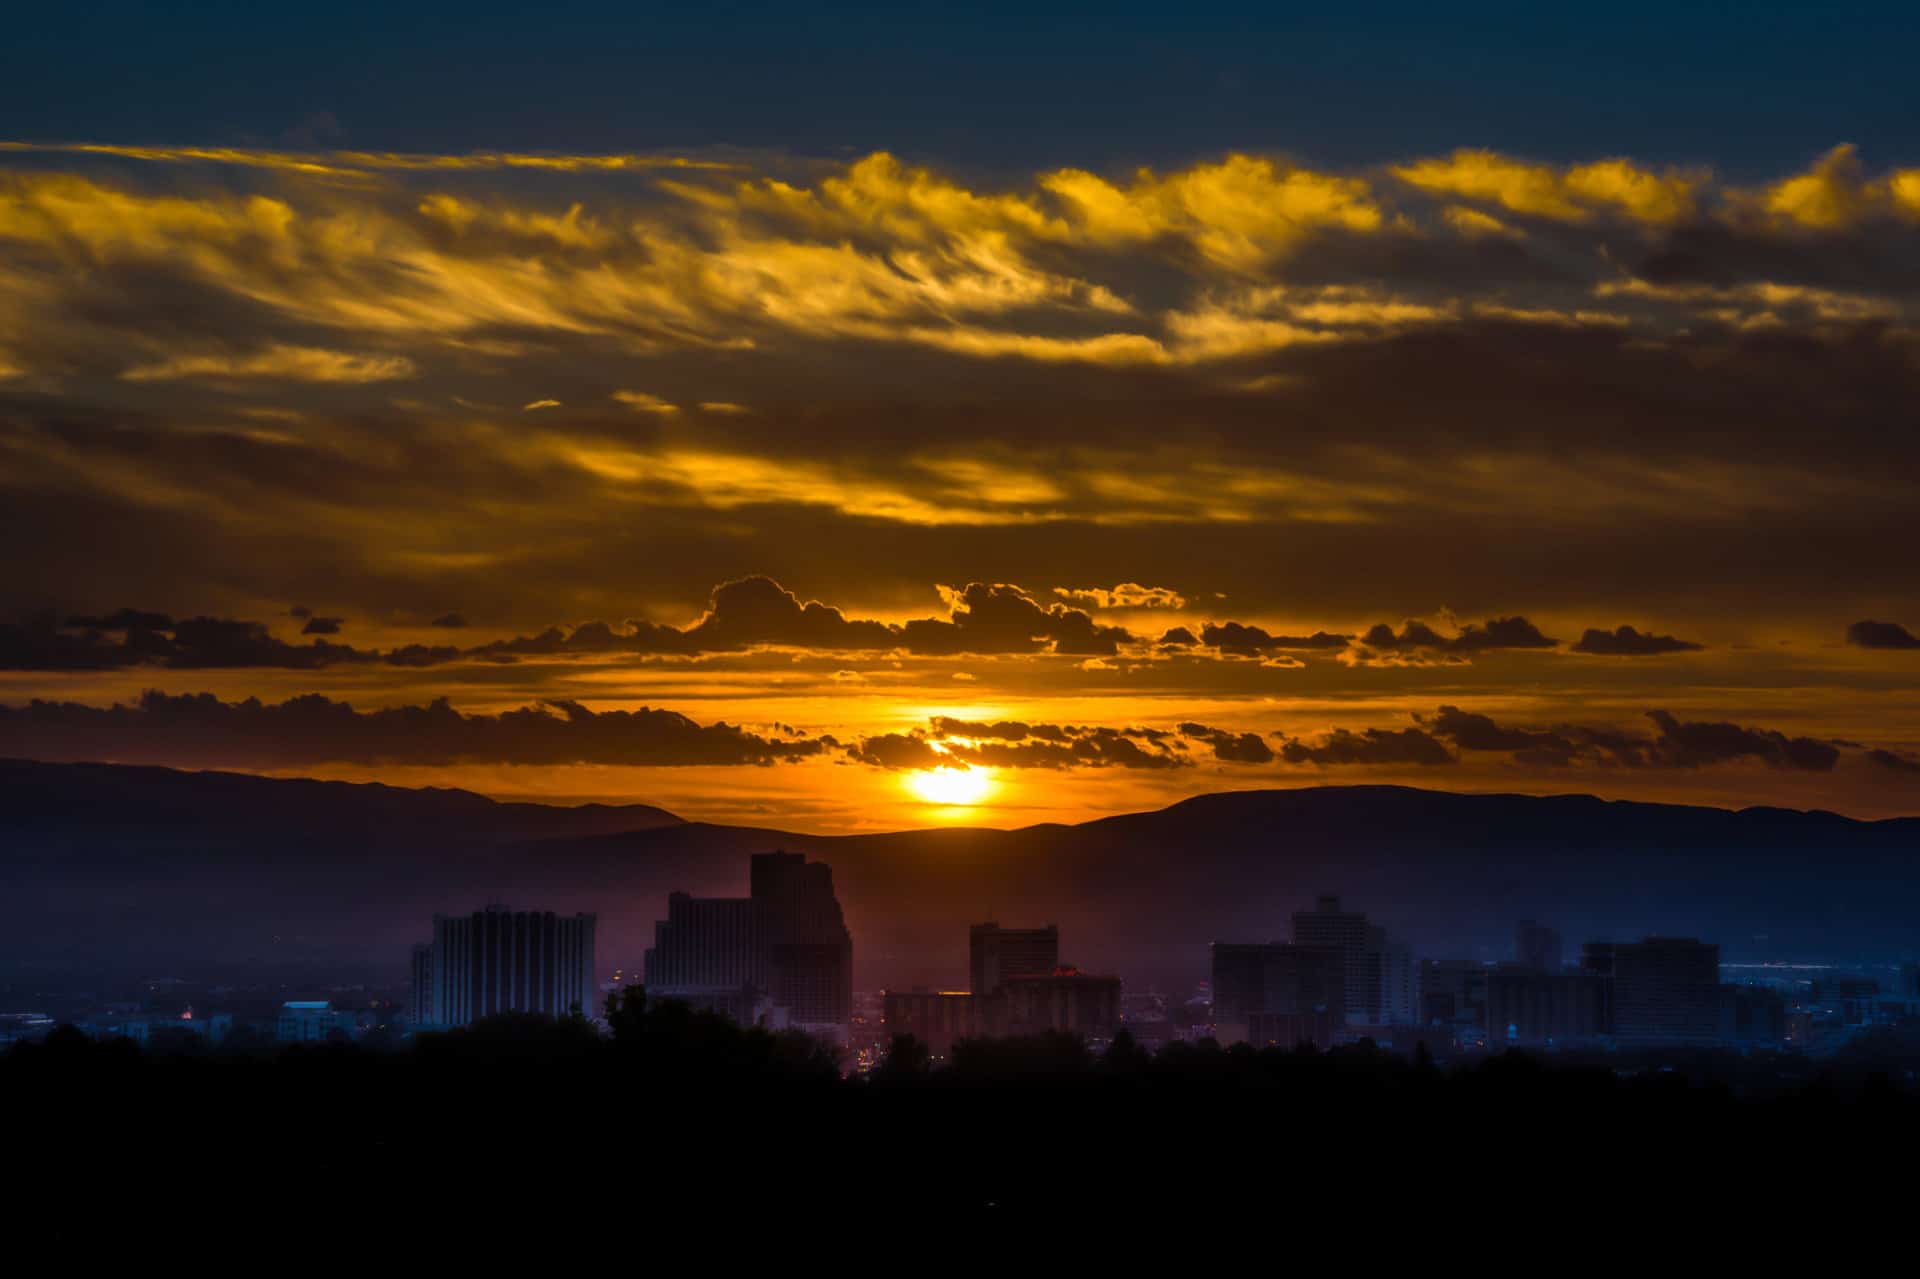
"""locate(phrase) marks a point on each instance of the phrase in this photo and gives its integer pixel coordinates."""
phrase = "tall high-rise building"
(499, 960)
(420, 991)
(784, 948)
(994, 954)
(1379, 983)
(1020, 988)
(1399, 990)
(1537, 947)
(1252, 981)
(705, 946)
(1666, 990)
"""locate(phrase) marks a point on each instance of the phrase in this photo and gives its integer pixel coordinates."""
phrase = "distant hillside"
(160, 870)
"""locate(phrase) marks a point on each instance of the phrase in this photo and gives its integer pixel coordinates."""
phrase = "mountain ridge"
(148, 868)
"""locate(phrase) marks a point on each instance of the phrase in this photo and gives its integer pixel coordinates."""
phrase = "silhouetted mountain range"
(149, 871)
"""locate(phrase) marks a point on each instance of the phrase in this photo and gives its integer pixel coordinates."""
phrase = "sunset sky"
(870, 422)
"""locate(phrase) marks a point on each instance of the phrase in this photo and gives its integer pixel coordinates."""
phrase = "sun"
(953, 787)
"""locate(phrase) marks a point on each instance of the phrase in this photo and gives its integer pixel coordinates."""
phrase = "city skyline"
(765, 626)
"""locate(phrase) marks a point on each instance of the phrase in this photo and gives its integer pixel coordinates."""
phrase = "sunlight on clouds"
(990, 482)
(350, 164)
(726, 481)
(572, 229)
(1239, 213)
(288, 363)
(646, 403)
(1564, 195)
(1158, 271)
(1835, 194)
(1742, 303)
(1472, 222)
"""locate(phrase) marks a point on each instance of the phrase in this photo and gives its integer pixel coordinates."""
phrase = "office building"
(995, 954)
(1379, 976)
(1276, 979)
(420, 986)
(1527, 1005)
(1666, 990)
(781, 956)
(1065, 1000)
(499, 960)
(1399, 990)
(939, 1018)
(1031, 993)
(705, 946)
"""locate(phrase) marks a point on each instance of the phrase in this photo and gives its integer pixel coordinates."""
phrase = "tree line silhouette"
(676, 1108)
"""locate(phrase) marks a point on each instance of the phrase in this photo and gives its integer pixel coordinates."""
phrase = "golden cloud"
(1562, 195)
(286, 363)
(874, 251)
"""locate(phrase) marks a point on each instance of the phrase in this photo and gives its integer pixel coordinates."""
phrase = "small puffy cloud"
(1691, 745)
(999, 618)
(322, 626)
(757, 610)
(1894, 762)
(1676, 744)
(1125, 595)
(1370, 746)
(1084, 747)
(1497, 633)
(1834, 193)
(1240, 213)
(1230, 747)
(949, 742)
(449, 621)
(1625, 641)
(1252, 641)
(899, 751)
(1870, 634)
(1000, 730)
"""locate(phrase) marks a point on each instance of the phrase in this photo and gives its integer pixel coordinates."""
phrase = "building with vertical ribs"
(420, 989)
(782, 955)
(499, 960)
